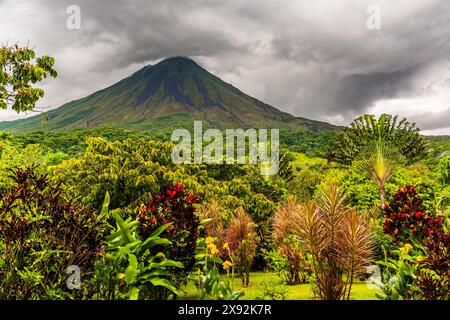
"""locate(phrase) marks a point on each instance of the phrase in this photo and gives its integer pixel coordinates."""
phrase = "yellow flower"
(213, 251)
(227, 265)
(225, 246)
(406, 248)
(419, 258)
(209, 240)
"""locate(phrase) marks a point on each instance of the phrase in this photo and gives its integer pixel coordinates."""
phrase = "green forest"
(360, 212)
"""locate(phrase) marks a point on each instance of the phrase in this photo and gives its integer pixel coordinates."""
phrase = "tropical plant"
(41, 236)
(433, 272)
(207, 279)
(406, 219)
(133, 267)
(398, 277)
(378, 164)
(365, 130)
(338, 240)
(287, 244)
(242, 242)
(173, 205)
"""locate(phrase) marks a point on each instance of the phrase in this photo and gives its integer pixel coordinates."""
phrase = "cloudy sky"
(315, 59)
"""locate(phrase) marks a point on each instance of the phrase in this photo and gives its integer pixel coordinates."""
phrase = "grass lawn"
(360, 291)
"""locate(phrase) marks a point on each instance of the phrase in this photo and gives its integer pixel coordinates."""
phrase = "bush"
(242, 241)
(134, 268)
(272, 289)
(173, 205)
(41, 235)
(433, 278)
(406, 218)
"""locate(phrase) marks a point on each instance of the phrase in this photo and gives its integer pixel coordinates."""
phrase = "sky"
(324, 60)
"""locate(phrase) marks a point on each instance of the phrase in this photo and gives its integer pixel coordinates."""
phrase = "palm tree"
(379, 165)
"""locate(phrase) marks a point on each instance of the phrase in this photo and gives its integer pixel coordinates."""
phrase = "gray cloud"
(313, 59)
(433, 120)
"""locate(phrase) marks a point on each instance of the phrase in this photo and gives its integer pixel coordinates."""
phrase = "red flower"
(153, 221)
(392, 216)
(178, 187)
(430, 232)
(171, 193)
(191, 198)
(159, 198)
(419, 215)
(404, 216)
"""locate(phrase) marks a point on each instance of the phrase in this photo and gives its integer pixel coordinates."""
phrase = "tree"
(19, 69)
(366, 130)
(379, 165)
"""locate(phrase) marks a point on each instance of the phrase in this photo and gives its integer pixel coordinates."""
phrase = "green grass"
(360, 291)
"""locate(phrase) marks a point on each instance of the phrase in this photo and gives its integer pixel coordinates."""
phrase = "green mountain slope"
(171, 93)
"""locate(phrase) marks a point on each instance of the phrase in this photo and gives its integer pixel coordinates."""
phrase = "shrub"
(242, 241)
(134, 268)
(287, 243)
(433, 278)
(173, 205)
(406, 218)
(272, 289)
(41, 236)
(338, 240)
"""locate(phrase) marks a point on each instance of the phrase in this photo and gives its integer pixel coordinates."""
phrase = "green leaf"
(160, 230)
(105, 206)
(133, 293)
(132, 271)
(158, 282)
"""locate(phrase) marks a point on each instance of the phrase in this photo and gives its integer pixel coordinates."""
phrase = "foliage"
(433, 276)
(19, 69)
(176, 206)
(41, 235)
(242, 241)
(304, 184)
(207, 279)
(401, 135)
(398, 278)
(127, 170)
(379, 165)
(288, 245)
(133, 267)
(338, 240)
(443, 171)
(406, 219)
(272, 289)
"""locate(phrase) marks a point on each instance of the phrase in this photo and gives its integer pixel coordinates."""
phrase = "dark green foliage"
(41, 235)
(313, 144)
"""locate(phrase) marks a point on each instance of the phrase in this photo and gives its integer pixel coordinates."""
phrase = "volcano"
(172, 93)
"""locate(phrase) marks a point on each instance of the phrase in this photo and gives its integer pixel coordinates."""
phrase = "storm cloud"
(312, 59)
